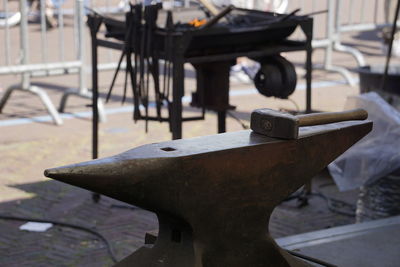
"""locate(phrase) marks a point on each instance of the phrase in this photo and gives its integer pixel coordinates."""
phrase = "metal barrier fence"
(43, 62)
(329, 27)
(324, 32)
(342, 17)
(19, 61)
(376, 18)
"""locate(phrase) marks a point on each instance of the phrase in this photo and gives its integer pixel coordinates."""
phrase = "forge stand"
(212, 65)
(212, 92)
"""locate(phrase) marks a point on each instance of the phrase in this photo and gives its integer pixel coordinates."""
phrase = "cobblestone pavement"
(28, 145)
(123, 226)
(28, 149)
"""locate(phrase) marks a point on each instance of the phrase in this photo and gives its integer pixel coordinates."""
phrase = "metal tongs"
(223, 13)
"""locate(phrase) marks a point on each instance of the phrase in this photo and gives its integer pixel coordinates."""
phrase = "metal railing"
(41, 64)
(328, 32)
(343, 17)
(324, 33)
(376, 18)
(26, 65)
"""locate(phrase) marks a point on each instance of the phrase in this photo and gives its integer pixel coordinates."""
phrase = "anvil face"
(218, 190)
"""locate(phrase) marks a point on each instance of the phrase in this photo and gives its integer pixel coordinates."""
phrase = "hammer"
(283, 125)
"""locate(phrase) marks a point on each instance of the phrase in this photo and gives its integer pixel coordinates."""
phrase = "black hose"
(330, 202)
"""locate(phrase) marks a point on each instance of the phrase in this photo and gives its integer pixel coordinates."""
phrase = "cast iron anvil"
(214, 194)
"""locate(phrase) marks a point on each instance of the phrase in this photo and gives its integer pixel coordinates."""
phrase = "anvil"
(214, 194)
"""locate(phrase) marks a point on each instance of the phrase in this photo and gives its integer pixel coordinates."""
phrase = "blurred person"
(35, 5)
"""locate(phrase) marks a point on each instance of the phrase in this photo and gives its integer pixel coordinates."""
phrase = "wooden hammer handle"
(331, 117)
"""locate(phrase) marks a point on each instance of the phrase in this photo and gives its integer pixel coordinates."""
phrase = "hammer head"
(274, 123)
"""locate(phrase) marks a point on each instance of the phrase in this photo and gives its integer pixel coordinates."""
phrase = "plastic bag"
(377, 154)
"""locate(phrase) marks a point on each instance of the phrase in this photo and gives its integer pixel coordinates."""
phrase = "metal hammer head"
(274, 123)
(286, 126)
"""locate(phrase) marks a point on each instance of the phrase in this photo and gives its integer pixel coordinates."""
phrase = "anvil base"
(174, 248)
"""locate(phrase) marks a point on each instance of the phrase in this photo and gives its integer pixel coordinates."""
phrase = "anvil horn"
(214, 194)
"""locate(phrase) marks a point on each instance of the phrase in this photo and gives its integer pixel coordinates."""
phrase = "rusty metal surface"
(214, 194)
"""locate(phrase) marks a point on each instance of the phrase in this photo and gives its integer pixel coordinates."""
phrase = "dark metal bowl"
(371, 79)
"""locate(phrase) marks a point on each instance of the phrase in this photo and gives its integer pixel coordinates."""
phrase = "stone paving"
(122, 225)
(28, 149)
(30, 146)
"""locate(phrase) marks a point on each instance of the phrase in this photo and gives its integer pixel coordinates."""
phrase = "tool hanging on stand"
(169, 28)
(153, 67)
(140, 41)
(211, 45)
(133, 21)
(137, 18)
(147, 60)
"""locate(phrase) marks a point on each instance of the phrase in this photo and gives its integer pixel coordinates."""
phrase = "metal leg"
(332, 43)
(342, 71)
(328, 66)
(308, 31)
(101, 111)
(47, 103)
(82, 91)
(6, 96)
(307, 187)
(178, 89)
(36, 91)
(337, 45)
(84, 94)
(221, 121)
(63, 101)
(309, 72)
(352, 51)
(94, 25)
